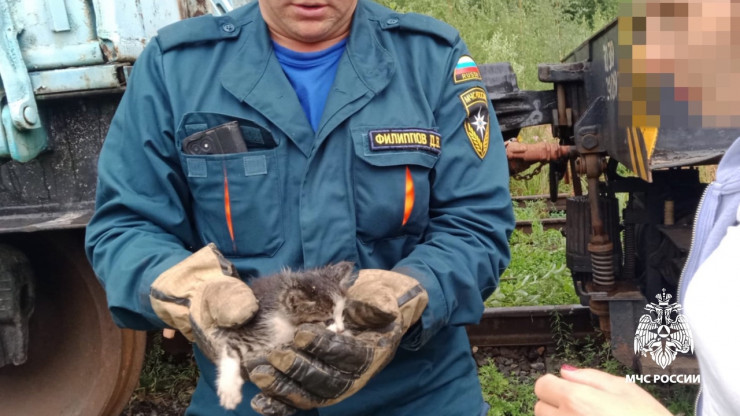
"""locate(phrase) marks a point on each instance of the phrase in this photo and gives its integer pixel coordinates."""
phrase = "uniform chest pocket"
(391, 187)
(236, 202)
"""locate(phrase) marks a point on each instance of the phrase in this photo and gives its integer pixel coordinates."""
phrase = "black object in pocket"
(220, 140)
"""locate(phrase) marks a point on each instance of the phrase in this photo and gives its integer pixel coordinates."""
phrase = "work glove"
(322, 367)
(200, 293)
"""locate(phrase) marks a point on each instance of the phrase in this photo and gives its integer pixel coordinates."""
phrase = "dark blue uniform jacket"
(406, 171)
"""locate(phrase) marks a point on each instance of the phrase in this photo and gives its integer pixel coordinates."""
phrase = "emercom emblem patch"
(475, 101)
(405, 139)
(466, 70)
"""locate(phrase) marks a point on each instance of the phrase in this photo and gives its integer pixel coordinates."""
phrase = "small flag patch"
(466, 70)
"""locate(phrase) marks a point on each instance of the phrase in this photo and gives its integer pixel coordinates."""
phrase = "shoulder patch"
(477, 123)
(419, 23)
(466, 70)
(206, 28)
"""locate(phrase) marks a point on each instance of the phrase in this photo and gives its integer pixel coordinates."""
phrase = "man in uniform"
(362, 135)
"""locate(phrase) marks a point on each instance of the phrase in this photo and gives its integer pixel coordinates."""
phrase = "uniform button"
(228, 27)
(392, 21)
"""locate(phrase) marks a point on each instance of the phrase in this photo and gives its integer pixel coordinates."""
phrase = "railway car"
(621, 131)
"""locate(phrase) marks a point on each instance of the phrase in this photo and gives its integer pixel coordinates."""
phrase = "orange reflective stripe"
(409, 204)
(227, 207)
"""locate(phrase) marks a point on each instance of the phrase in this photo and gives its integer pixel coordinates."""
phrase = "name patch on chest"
(405, 139)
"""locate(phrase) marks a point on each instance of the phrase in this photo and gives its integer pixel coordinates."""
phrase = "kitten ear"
(343, 267)
(296, 299)
(343, 272)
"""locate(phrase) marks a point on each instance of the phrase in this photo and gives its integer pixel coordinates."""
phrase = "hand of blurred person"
(590, 392)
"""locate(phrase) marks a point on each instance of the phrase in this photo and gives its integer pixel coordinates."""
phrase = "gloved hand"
(201, 292)
(322, 367)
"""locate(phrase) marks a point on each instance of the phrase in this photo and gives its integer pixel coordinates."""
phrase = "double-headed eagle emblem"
(664, 331)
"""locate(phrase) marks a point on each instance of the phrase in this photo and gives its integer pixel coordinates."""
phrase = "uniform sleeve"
(465, 249)
(140, 227)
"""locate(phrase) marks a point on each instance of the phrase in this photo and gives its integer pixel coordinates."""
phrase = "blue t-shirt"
(311, 74)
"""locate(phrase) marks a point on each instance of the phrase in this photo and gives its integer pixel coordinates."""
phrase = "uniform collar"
(372, 62)
(242, 72)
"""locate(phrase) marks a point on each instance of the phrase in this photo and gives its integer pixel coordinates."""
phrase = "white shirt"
(712, 307)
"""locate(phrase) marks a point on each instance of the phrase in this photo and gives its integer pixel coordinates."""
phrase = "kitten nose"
(339, 325)
(335, 326)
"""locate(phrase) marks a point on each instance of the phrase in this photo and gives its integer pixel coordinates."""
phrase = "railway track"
(529, 325)
(547, 223)
(558, 205)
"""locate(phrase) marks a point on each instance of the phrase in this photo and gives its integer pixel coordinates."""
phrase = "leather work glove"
(201, 292)
(323, 367)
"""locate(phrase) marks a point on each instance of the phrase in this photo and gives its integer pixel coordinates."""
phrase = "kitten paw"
(229, 381)
(229, 397)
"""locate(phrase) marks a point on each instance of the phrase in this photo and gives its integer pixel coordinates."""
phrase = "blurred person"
(684, 63)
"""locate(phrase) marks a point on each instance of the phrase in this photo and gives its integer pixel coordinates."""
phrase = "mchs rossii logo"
(664, 333)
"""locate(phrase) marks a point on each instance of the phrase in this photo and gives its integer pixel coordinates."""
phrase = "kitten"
(286, 300)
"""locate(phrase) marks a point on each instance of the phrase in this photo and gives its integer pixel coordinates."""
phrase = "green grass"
(507, 396)
(537, 274)
(678, 398)
(163, 378)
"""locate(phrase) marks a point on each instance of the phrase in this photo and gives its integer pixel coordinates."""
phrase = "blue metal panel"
(46, 43)
(71, 46)
(58, 12)
(52, 57)
(76, 79)
(124, 26)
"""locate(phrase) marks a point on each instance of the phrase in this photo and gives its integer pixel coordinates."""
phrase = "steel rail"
(558, 205)
(547, 224)
(530, 325)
